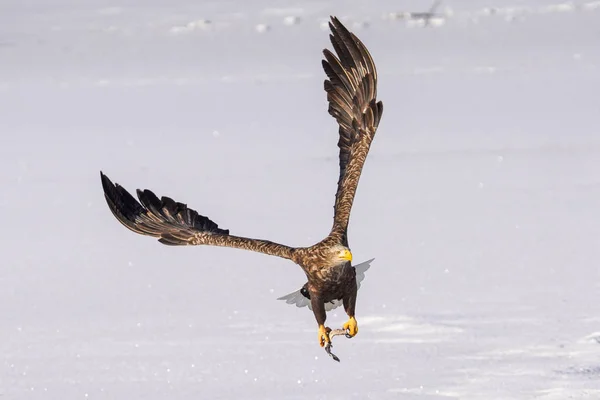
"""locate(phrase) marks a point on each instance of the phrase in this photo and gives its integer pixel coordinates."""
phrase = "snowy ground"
(479, 200)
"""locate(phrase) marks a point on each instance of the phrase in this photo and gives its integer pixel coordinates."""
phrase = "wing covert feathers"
(174, 224)
(352, 95)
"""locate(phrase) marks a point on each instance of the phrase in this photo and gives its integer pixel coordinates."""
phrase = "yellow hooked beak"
(346, 255)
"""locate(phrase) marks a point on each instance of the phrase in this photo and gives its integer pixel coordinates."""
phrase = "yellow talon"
(351, 326)
(324, 335)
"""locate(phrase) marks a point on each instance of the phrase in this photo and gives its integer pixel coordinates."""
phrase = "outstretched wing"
(351, 93)
(175, 224)
(299, 299)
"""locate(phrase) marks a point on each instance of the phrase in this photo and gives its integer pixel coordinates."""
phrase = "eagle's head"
(341, 254)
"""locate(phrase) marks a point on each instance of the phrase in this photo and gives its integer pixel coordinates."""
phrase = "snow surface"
(479, 200)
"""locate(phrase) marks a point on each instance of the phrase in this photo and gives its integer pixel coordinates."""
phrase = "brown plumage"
(351, 92)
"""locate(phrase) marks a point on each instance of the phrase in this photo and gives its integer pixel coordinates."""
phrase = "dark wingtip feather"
(122, 204)
(106, 183)
(173, 222)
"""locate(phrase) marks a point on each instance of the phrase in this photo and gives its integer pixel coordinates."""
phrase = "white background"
(479, 200)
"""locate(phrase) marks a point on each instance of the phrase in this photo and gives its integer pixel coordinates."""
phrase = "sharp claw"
(351, 327)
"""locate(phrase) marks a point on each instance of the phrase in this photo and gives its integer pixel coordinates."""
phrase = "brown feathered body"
(351, 92)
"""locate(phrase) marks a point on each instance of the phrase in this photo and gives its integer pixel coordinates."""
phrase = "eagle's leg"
(319, 310)
(351, 326)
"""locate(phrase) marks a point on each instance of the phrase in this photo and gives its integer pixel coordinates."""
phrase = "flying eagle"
(332, 280)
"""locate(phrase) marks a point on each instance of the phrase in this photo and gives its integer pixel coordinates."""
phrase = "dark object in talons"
(328, 346)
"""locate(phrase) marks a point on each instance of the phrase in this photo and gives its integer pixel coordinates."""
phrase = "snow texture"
(479, 200)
